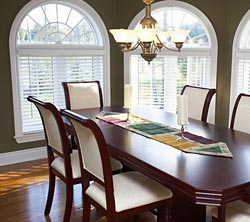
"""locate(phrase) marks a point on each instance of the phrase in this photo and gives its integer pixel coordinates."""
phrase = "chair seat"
(237, 211)
(115, 164)
(58, 164)
(131, 189)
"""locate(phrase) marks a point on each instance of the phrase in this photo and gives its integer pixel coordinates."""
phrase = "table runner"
(166, 134)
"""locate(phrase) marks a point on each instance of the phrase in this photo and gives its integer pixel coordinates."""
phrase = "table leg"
(221, 214)
(185, 211)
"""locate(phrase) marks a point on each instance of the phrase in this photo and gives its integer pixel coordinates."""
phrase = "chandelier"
(148, 37)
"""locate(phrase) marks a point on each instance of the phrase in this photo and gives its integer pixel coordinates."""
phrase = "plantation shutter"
(243, 75)
(42, 77)
(158, 84)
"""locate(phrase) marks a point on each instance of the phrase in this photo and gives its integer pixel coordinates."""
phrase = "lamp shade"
(163, 36)
(123, 35)
(147, 34)
(179, 35)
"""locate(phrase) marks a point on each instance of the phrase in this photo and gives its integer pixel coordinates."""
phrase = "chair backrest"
(83, 94)
(241, 114)
(92, 148)
(199, 99)
(55, 134)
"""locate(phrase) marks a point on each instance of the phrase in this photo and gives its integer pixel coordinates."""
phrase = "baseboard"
(22, 156)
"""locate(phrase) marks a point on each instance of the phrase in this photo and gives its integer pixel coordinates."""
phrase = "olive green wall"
(225, 16)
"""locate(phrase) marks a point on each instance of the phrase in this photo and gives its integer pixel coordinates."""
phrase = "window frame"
(212, 51)
(236, 53)
(102, 36)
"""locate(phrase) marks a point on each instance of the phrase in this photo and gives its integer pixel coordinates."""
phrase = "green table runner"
(166, 134)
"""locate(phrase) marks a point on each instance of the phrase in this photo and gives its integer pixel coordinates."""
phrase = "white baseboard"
(22, 156)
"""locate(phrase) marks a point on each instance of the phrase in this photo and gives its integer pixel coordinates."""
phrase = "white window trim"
(101, 30)
(213, 51)
(236, 52)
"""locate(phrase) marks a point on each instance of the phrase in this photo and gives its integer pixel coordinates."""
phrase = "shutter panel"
(243, 76)
(159, 83)
(42, 77)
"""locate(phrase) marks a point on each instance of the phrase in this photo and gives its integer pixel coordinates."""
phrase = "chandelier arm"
(170, 49)
(160, 45)
(137, 44)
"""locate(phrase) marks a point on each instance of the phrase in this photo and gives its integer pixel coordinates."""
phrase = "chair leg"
(161, 214)
(51, 190)
(86, 209)
(69, 202)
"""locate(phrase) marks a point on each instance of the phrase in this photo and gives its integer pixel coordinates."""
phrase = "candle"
(128, 95)
(182, 109)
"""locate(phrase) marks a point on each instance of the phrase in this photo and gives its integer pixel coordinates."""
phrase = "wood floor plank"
(23, 193)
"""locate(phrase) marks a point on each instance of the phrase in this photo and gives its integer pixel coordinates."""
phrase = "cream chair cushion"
(115, 164)
(84, 95)
(131, 189)
(196, 99)
(237, 211)
(58, 164)
(242, 116)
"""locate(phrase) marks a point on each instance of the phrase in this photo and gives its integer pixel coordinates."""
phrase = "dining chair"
(115, 196)
(241, 114)
(236, 211)
(199, 100)
(82, 94)
(62, 161)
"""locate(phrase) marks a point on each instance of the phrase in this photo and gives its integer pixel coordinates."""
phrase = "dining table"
(197, 180)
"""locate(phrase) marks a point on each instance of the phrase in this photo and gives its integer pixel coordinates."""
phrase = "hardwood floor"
(23, 193)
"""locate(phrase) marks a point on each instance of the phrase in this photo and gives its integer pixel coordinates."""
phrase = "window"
(158, 84)
(52, 42)
(240, 78)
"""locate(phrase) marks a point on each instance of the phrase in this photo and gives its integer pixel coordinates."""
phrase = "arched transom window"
(52, 42)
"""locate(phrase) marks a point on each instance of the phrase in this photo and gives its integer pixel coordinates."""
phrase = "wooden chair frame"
(65, 155)
(162, 207)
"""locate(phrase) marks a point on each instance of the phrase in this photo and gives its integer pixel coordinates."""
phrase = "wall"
(224, 15)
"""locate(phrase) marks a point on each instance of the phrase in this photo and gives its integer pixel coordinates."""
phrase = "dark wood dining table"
(196, 180)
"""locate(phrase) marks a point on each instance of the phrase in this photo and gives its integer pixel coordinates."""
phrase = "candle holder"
(128, 115)
(182, 138)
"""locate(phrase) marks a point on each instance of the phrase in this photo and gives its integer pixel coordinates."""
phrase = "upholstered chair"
(241, 114)
(199, 99)
(116, 196)
(62, 161)
(236, 211)
(82, 95)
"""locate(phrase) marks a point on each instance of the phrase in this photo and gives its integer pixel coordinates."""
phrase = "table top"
(202, 179)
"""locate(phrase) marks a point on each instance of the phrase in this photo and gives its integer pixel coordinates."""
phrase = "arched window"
(52, 42)
(240, 78)
(158, 84)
